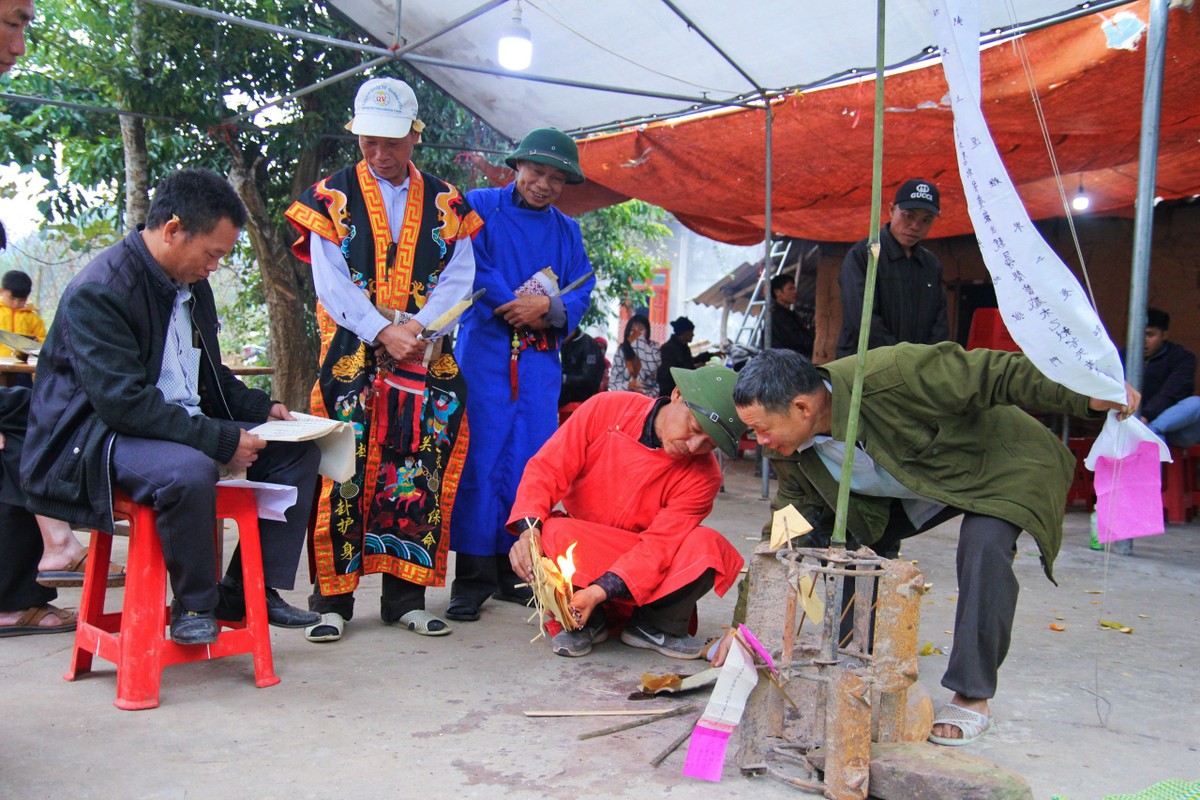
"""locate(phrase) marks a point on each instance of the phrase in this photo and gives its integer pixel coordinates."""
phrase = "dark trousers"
(20, 551)
(672, 613)
(987, 594)
(398, 598)
(476, 578)
(179, 482)
(20, 537)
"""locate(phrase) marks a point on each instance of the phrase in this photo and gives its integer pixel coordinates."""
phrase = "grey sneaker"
(573, 644)
(650, 638)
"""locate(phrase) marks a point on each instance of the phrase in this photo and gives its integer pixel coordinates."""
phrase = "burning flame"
(566, 564)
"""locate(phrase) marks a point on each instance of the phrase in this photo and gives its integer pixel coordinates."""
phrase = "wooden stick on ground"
(673, 746)
(624, 726)
(656, 712)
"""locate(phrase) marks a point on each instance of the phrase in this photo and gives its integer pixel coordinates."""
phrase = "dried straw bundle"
(551, 590)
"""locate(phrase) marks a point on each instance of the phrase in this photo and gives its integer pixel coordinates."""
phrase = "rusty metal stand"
(838, 690)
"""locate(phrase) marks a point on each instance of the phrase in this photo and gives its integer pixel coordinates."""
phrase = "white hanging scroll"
(1043, 305)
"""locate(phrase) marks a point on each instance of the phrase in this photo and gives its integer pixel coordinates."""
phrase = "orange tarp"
(709, 171)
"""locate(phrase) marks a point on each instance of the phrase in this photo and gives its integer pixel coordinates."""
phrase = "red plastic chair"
(1176, 486)
(136, 638)
(988, 330)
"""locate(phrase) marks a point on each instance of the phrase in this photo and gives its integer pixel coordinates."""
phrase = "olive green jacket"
(947, 423)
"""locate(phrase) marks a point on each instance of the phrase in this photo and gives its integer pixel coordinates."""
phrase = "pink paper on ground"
(1129, 495)
(706, 753)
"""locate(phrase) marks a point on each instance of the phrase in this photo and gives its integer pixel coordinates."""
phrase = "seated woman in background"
(635, 369)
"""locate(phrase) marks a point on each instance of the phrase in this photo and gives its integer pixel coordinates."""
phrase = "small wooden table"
(10, 366)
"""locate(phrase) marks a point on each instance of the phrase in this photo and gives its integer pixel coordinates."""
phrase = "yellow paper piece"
(810, 599)
(786, 524)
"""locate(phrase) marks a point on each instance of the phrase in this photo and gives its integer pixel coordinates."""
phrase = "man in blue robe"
(508, 350)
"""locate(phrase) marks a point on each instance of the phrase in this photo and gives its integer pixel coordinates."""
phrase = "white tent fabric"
(644, 45)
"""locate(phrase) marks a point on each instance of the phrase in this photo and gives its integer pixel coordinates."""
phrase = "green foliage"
(624, 244)
(182, 70)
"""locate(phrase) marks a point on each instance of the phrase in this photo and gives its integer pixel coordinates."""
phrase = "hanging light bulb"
(516, 46)
(1081, 201)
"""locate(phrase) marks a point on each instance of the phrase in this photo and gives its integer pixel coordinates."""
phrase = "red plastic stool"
(1192, 486)
(1176, 495)
(1081, 489)
(564, 412)
(136, 638)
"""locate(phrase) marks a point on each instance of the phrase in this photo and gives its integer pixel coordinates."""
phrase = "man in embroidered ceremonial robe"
(509, 350)
(390, 248)
(636, 476)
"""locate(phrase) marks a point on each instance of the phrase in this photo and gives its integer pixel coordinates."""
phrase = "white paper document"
(272, 499)
(334, 438)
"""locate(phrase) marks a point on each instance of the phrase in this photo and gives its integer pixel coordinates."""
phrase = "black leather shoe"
(231, 607)
(192, 627)
(283, 614)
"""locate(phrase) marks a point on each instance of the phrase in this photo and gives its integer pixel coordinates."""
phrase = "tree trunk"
(133, 136)
(287, 287)
(137, 171)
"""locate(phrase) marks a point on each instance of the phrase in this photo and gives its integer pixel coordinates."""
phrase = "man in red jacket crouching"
(636, 476)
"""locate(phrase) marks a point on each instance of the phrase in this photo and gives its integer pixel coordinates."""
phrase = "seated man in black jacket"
(1168, 385)
(130, 394)
(790, 329)
(677, 352)
(582, 368)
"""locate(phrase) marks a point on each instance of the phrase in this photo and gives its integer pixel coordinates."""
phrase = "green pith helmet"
(708, 392)
(552, 147)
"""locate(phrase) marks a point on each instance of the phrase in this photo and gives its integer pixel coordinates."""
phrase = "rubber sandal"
(972, 724)
(29, 623)
(462, 610)
(329, 629)
(419, 621)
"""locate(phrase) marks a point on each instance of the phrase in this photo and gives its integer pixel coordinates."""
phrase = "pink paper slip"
(706, 752)
(750, 639)
(1129, 495)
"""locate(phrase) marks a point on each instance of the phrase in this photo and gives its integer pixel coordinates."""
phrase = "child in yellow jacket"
(17, 314)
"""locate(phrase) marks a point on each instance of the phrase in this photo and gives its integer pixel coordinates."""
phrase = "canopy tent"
(706, 164)
(654, 57)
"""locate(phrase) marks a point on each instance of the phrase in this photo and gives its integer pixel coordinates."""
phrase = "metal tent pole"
(766, 311)
(1143, 221)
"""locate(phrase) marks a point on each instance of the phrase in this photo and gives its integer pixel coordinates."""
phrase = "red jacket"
(634, 511)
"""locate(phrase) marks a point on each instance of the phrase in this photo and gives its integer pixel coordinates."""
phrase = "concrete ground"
(1082, 713)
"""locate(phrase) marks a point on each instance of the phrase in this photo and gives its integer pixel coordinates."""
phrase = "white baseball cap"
(385, 107)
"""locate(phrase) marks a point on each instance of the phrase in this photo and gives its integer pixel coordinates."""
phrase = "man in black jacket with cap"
(910, 300)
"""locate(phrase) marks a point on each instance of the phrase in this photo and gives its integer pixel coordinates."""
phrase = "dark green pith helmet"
(552, 147)
(708, 392)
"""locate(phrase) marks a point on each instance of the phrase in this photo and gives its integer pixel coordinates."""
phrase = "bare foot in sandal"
(60, 549)
(954, 731)
(39, 619)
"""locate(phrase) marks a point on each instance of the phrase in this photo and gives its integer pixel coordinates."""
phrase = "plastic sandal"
(971, 723)
(418, 622)
(329, 629)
